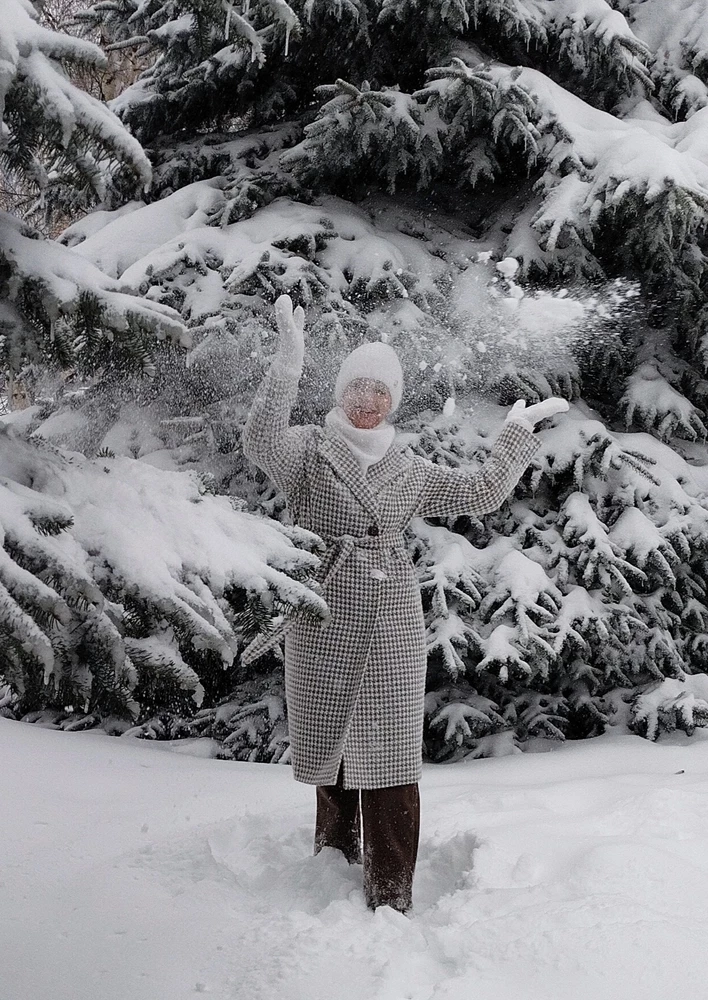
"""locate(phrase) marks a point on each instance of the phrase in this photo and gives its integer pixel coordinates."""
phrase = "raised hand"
(291, 326)
(529, 416)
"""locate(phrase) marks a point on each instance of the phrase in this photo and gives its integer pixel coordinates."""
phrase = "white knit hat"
(376, 361)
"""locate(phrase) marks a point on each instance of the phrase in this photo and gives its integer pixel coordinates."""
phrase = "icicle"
(246, 8)
(287, 37)
(229, 8)
(52, 333)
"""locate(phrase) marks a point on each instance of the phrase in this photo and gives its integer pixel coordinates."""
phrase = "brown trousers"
(391, 820)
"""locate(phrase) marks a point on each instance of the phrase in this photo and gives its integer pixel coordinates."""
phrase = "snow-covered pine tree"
(66, 151)
(124, 589)
(375, 158)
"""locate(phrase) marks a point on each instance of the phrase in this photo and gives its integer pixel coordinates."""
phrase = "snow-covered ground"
(133, 872)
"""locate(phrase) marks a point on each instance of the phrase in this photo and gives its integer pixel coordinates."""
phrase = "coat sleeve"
(268, 439)
(451, 493)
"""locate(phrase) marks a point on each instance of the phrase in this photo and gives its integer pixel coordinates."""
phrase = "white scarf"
(367, 446)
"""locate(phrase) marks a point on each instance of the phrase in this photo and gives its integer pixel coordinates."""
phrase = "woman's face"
(366, 402)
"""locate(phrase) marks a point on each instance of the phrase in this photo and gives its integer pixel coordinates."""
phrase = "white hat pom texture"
(376, 361)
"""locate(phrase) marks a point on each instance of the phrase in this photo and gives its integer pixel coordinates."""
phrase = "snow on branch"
(595, 170)
(643, 542)
(285, 16)
(62, 285)
(651, 402)
(679, 43)
(451, 590)
(30, 61)
(113, 565)
(338, 8)
(383, 128)
(522, 600)
(459, 117)
(671, 704)
(459, 720)
(195, 57)
(243, 29)
(598, 165)
(595, 38)
(452, 14)
(324, 256)
(594, 577)
(580, 36)
(584, 449)
(599, 559)
(583, 620)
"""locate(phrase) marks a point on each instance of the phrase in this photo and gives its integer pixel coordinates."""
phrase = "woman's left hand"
(529, 416)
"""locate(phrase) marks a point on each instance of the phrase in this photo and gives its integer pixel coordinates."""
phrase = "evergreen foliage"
(376, 159)
(68, 151)
(48, 125)
(466, 94)
(593, 584)
(123, 588)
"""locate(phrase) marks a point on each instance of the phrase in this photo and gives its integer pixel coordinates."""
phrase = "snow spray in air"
(500, 339)
(491, 337)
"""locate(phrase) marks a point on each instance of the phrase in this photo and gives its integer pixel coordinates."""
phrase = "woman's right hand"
(291, 326)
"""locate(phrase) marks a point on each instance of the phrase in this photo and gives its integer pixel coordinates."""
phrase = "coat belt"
(344, 545)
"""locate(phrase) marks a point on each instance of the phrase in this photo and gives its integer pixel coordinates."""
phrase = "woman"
(355, 685)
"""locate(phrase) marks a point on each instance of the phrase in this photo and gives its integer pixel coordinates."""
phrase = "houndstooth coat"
(355, 686)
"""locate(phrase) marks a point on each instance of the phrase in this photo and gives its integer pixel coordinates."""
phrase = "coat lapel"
(336, 451)
(367, 490)
(383, 474)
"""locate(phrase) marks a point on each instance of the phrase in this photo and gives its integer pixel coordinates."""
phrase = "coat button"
(373, 529)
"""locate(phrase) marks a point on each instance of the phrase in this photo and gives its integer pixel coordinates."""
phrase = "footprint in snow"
(279, 869)
(274, 867)
(444, 868)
